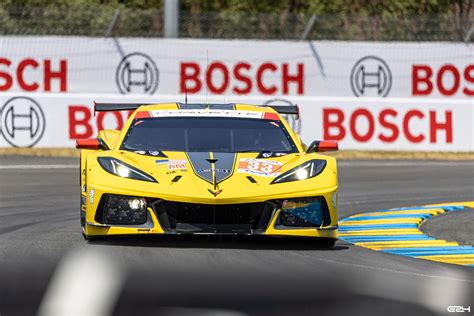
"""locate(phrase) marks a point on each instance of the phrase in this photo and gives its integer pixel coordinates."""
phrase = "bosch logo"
(22, 122)
(371, 76)
(291, 119)
(137, 73)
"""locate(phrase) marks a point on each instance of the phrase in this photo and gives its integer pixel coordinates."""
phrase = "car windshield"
(200, 134)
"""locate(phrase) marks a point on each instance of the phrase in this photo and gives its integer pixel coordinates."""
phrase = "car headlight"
(304, 171)
(121, 169)
(124, 210)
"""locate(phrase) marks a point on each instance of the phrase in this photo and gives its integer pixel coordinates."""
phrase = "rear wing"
(286, 109)
(105, 107)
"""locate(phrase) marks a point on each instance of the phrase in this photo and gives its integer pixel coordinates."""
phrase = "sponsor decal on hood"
(173, 164)
(260, 167)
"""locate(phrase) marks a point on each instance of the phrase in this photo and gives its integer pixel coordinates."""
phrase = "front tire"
(85, 236)
(327, 242)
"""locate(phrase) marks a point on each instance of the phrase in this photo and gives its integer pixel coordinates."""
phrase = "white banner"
(56, 120)
(55, 64)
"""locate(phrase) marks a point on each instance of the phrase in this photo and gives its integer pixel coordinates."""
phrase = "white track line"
(21, 167)
(459, 275)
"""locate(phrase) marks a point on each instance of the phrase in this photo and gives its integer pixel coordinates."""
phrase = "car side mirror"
(319, 146)
(91, 143)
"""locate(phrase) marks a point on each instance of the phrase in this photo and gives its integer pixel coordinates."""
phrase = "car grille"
(204, 218)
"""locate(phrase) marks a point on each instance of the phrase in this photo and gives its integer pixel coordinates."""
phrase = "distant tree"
(335, 19)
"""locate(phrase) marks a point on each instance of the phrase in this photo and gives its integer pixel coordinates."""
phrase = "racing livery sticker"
(260, 167)
(173, 164)
(177, 165)
(91, 195)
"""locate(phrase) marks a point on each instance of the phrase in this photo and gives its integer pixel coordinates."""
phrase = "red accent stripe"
(271, 116)
(143, 114)
(328, 145)
(88, 143)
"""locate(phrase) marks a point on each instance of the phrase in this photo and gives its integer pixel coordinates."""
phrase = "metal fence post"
(469, 33)
(171, 17)
(110, 31)
(308, 27)
(111, 27)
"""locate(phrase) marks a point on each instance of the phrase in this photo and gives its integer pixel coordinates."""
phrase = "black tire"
(327, 242)
(85, 237)
(91, 239)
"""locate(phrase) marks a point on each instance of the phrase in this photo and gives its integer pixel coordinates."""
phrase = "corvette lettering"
(216, 170)
(207, 113)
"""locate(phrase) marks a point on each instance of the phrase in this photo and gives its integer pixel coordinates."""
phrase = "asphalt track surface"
(46, 265)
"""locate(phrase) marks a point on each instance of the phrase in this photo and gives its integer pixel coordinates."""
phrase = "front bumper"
(168, 217)
(260, 216)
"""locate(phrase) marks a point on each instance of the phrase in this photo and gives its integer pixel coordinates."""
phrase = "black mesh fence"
(121, 21)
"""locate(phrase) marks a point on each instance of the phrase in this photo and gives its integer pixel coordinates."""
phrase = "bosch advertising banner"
(57, 120)
(236, 67)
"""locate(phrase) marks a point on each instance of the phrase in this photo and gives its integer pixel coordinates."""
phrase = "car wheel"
(85, 236)
(327, 242)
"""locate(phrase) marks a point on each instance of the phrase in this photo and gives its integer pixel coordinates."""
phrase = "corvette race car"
(207, 169)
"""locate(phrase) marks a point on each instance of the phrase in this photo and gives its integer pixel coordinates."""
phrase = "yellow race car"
(207, 169)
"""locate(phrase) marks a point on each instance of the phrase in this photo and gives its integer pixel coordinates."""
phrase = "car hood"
(209, 177)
